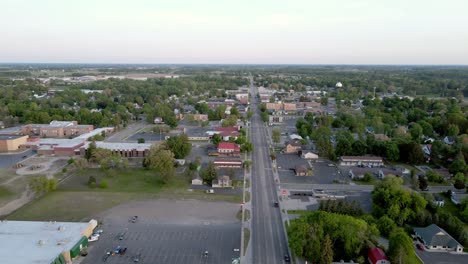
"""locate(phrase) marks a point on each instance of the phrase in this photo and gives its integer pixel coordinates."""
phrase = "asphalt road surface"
(268, 238)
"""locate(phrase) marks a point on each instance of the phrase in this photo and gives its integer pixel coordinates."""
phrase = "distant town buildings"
(56, 129)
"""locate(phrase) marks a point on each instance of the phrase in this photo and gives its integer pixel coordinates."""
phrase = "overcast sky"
(235, 31)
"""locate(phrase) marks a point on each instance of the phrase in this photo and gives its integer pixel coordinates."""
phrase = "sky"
(235, 31)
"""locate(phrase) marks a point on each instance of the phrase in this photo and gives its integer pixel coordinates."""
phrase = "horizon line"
(236, 64)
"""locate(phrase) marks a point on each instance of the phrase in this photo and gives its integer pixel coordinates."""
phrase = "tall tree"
(327, 251)
(209, 173)
(400, 247)
(276, 135)
(161, 160)
(179, 145)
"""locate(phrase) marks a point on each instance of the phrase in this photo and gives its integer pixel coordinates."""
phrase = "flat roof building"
(27, 242)
(11, 142)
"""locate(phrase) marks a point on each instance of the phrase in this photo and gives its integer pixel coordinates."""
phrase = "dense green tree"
(161, 160)
(209, 173)
(386, 225)
(347, 234)
(400, 247)
(457, 166)
(389, 198)
(179, 145)
(276, 135)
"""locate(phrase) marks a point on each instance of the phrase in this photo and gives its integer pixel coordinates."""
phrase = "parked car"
(121, 236)
(123, 250)
(117, 250)
(287, 258)
(99, 231)
(420, 247)
(136, 258)
(93, 237)
(210, 191)
(134, 219)
(275, 204)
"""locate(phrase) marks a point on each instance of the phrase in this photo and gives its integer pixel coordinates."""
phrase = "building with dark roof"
(436, 238)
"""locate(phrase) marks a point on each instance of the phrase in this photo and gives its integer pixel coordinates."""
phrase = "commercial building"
(56, 129)
(437, 239)
(228, 148)
(11, 142)
(366, 161)
(26, 242)
(127, 150)
(228, 163)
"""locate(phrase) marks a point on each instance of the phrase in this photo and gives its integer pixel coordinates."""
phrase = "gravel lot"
(169, 231)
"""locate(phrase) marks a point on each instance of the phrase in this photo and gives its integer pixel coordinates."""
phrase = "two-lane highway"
(268, 238)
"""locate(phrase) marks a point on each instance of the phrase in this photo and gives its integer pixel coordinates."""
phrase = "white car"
(94, 237)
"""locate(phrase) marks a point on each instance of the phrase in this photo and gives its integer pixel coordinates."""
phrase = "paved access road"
(269, 244)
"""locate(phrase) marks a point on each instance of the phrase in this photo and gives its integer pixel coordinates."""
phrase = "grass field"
(5, 193)
(76, 201)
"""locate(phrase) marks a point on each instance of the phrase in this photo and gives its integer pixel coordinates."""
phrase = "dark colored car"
(276, 204)
(420, 247)
(123, 250)
(287, 258)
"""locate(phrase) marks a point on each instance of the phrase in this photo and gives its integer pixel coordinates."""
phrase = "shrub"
(103, 184)
(92, 181)
(71, 161)
(64, 170)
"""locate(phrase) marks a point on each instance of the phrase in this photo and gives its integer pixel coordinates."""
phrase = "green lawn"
(413, 259)
(246, 239)
(74, 200)
(4, 192)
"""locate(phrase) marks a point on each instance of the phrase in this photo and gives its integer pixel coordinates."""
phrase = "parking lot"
(441, 257)
(169, 231)
(323, 172)
(10, 159)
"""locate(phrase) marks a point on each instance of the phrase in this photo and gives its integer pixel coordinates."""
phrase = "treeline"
(407, 80)
(119, 101)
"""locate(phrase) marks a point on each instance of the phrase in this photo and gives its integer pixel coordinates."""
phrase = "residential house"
(196, 179)
(377, 256)
(200, 117)
(292, 147)
(437, 239)
(365, 161)
(381, 137)
(222, 182)
(301, 170)
(158, 120)
(308, 154)
(438, 201)
(449, 140)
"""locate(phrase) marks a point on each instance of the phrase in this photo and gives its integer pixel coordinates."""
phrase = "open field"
(76, 201)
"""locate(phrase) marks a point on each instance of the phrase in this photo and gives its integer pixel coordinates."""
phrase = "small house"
(292, 147)
(307, 154)
(438, 201)
(377, 256)
(301, 170)
(222, 182)
(196, 179)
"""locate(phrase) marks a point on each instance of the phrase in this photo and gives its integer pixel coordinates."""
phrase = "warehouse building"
(11, 142)
(27, 242)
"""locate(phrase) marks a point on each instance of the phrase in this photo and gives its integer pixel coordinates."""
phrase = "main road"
(269, 243)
